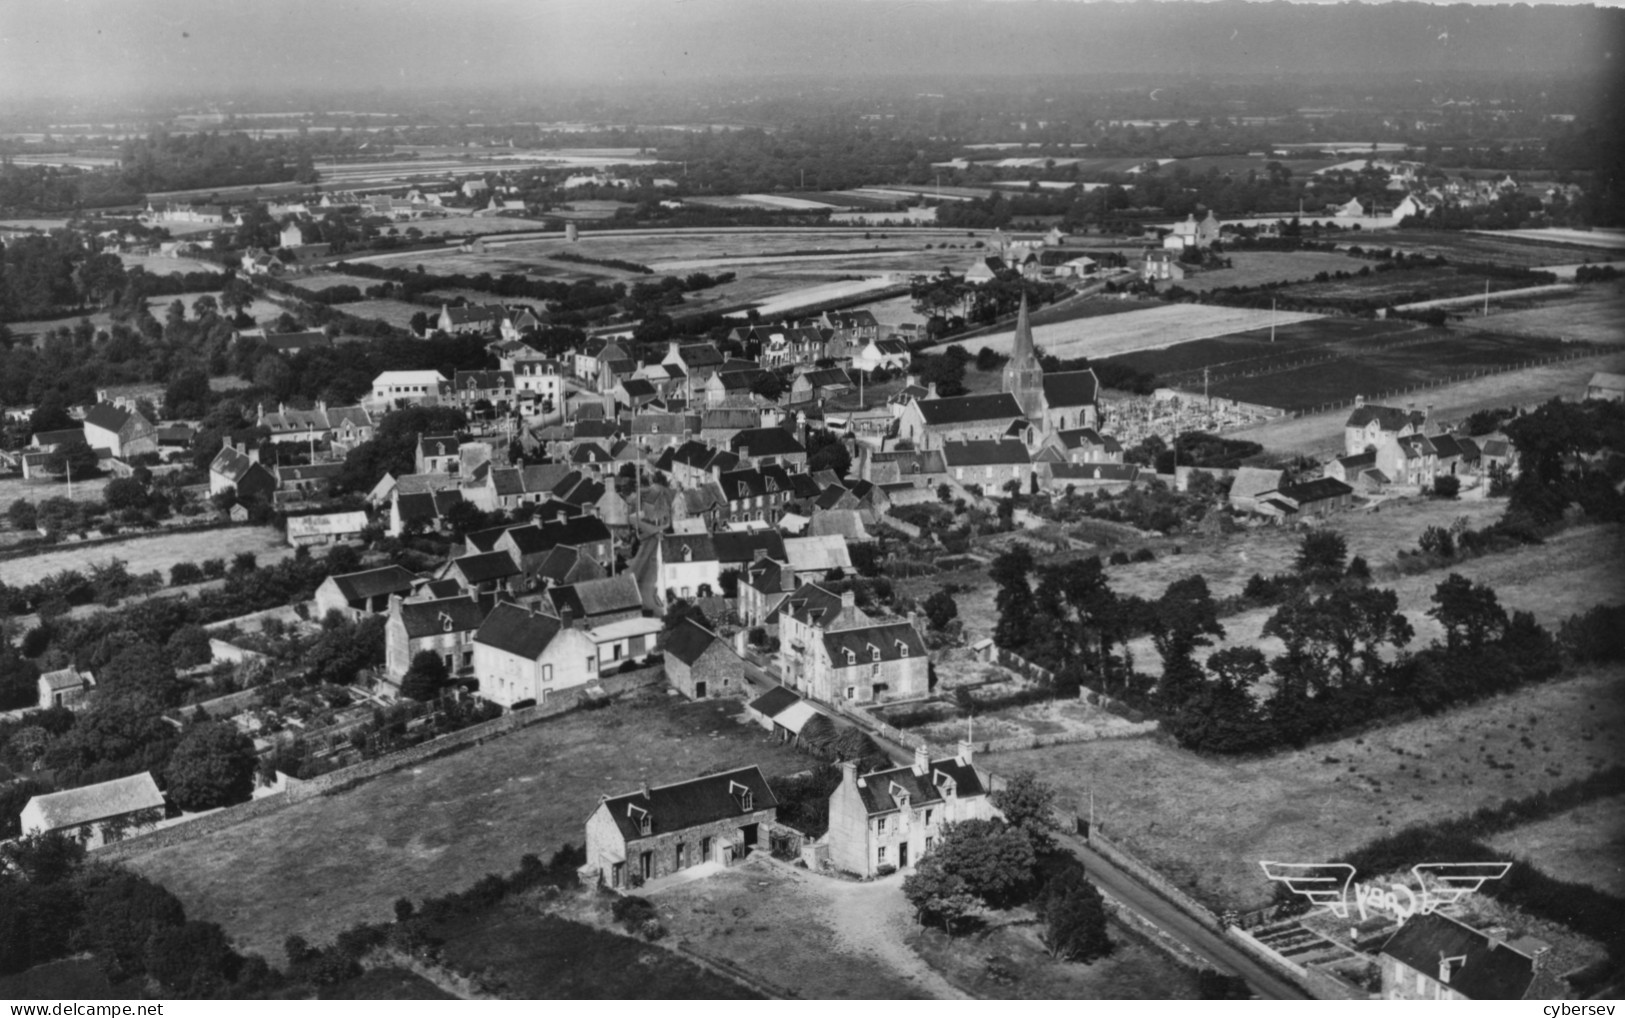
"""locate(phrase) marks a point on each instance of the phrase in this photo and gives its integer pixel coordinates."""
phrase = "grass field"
(145, 554)
(1207, 822)
(1252, 268)
(1596, 315)
(1144, 329)
(320, 866)
(1401, 287)
(396, 312)
(1261, 349)
(1320, 433)
(70, 979)
(1379, 373)
(1499, 248)
(1585, 845)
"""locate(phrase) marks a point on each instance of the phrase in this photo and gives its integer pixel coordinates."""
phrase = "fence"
(348, 777)
(1452, 380)
(1014, 743)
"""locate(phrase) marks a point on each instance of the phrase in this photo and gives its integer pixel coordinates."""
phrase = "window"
(882, 855)
(592, 662)
(547, 673)
(851, 657)
(874, 653)
(928, 817)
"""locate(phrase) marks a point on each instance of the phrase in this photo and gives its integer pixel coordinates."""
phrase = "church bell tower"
(1023, 378)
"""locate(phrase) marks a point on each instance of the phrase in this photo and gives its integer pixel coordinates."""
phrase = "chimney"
(671, 348)
(849, 600)
(394, 604)
(1448, 965)
(758, 554)
(967, 751)
(1359, 401)
(922, 759)
(849, 772)
(931, 391)
(566, 619)
(646, 795)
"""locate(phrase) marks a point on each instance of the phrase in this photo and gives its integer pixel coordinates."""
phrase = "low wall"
(1320, 985)
(1123, 859)
(1016, 743)
(348, 777)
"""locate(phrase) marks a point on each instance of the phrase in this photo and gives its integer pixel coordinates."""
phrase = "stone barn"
(700, 664)
(655, 832)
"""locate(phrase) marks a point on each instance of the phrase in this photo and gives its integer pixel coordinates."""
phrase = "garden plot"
(1148, 329)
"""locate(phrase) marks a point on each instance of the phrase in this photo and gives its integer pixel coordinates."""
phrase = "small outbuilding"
(700, 664)
(97, 815)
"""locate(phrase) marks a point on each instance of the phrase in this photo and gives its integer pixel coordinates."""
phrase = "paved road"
(1219, 952)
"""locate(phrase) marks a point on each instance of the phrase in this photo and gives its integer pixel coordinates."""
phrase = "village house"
(97, 815)
(764, 447)
(1606, 385)
(401, 388)
(890, 354)
(1084, 445)
(445, 626)
(654, 832)
(990, 464)
(489, 572)
(1370, 426)
(342, 426)
(325, 528)
(891, 819)
(701, 664)
(1161, 265)
(367, 592)
(124, 433)
(471, 319)
(238, 469)
(65, 687)
(130, 397)
(1435, 957)
(1410, 459)
(595, 601)
(494, 387)
(438, 454)
(520, 654)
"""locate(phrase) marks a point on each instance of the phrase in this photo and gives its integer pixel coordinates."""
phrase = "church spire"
(1022, 354)
(1023, 377)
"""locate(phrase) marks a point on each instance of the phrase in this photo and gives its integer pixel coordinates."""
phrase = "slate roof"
(774, 701)
(232, 464)
(817, 554)
(565, 565)
(1071, 388)
(438, 445)
(825, 377)
(63, 678)
(699, 355)
(482, 380)
(1446, 446)
(592, 598)
(730, 419)
(105, 415)
(484, 567)
(1078, 438)
(1490, 970)
(952, 410)
(1357, 463)
(296, 341)
(757, 442)
(693, 803)
(689, 640)
(108, 799)
(65, 436)
(1317, 490)
(431, 618)
(812, 605)
(575, 531)
(921, 789)
(370, 583)
(1003, 452)
(518, 630)
(740, 546)
(894, 640)
(1094, 471)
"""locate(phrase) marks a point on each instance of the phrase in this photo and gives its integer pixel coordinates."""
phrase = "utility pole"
(1272, 319)
(1486, 298)
(69, 464)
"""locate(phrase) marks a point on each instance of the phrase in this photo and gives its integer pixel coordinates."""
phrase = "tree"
(213, 766)
(1322, 556)
(189, 646)
(1074, 916)
(76, 459)
(124, 493)
(193, 960)
(939, 896)
(1222, 715)
(425, 677)
(1028, 804)
(22, 515)
(941, 609)
(1470, 613)
(1446, 486)
(768, 385)
(994, 859)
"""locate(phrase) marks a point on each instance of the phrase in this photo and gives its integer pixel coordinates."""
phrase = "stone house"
(700, 664)
(870, 664)
(354, 595)
(654, 832)
(65, 687)
(1435, 957)
(521, 654)
(1372, 426)
(445, 625)
(238, 469)
(97, 815)
(123, 432)
(893, 818)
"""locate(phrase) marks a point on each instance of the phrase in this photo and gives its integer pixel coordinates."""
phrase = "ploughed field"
(1402, 286)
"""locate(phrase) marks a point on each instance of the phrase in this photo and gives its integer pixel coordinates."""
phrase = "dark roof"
(518, 630)
(1094, 471)
(740, 546)
(438, 445)
(480, 380)
(486, 566)
(699, 355)
(921, 789)
(371, 583)
(565, 564)
(105, 415)
(459, 614)
(485, 540)
(64, 436)
(1316, 490)
(599, 428)
(692, 803)
(765, 442)
(577, 531)
(774, 701)
(1071, 388)
(1003, 452)
(1389, 417)
(592, 598)
(1446, 446)
(636, 387)
(966, 409)
(298, 340)
(894, 641)
(743, 484)
(1469, 448)
(1358, 462)
(689, 640)
(1490, 970)
(811, 605)
(420, 506)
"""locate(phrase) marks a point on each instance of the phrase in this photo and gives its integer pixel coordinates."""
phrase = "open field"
(1585, 845)
(1503, 248)
(1252, 268)
(1323, 432)
(319, 866)
(815, 935)
(1377, 373)
(396, 312)
(1568, 574)
(1207, 822)
(1258, 349)
(145, 554)
(317, 281)
(164, 265)
(1147, 329)
(13, 487)
(1595, 315)
(1133, 971)
(1402, 286)
(1614, 239)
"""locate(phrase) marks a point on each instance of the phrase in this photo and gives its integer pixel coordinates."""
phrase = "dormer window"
(445, 623)
(851, 657)
(742, 795)
(640, 817)
(688, 553)
(874, 652)
(744, 490)
(902, 649)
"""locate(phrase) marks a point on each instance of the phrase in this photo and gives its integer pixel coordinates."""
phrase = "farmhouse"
(654, 832)
(1435, 957)
(701, 664)
(353, 595)
(445, 626)
(893, 818)
(991, 464)
(239, 470)
(123, 432)
(97, 815)
(350, 425)
(1371, 426)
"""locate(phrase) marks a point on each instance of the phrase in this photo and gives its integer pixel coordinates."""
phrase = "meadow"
(1144, 329)
(1585, 845)
(144, 554)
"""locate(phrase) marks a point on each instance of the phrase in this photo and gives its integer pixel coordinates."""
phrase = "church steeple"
(1023, 377)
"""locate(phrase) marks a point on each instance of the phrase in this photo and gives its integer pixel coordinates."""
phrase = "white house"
(427, 388)
(521, 654)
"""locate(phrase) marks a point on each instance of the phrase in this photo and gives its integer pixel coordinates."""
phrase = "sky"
(113, 48)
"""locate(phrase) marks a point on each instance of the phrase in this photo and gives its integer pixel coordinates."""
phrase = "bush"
(1448, 486)
(1144, 555)
(183, 573)
(214, 568)
(1119, 558)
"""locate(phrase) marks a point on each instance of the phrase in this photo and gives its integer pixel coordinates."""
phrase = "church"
(1055, 402)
